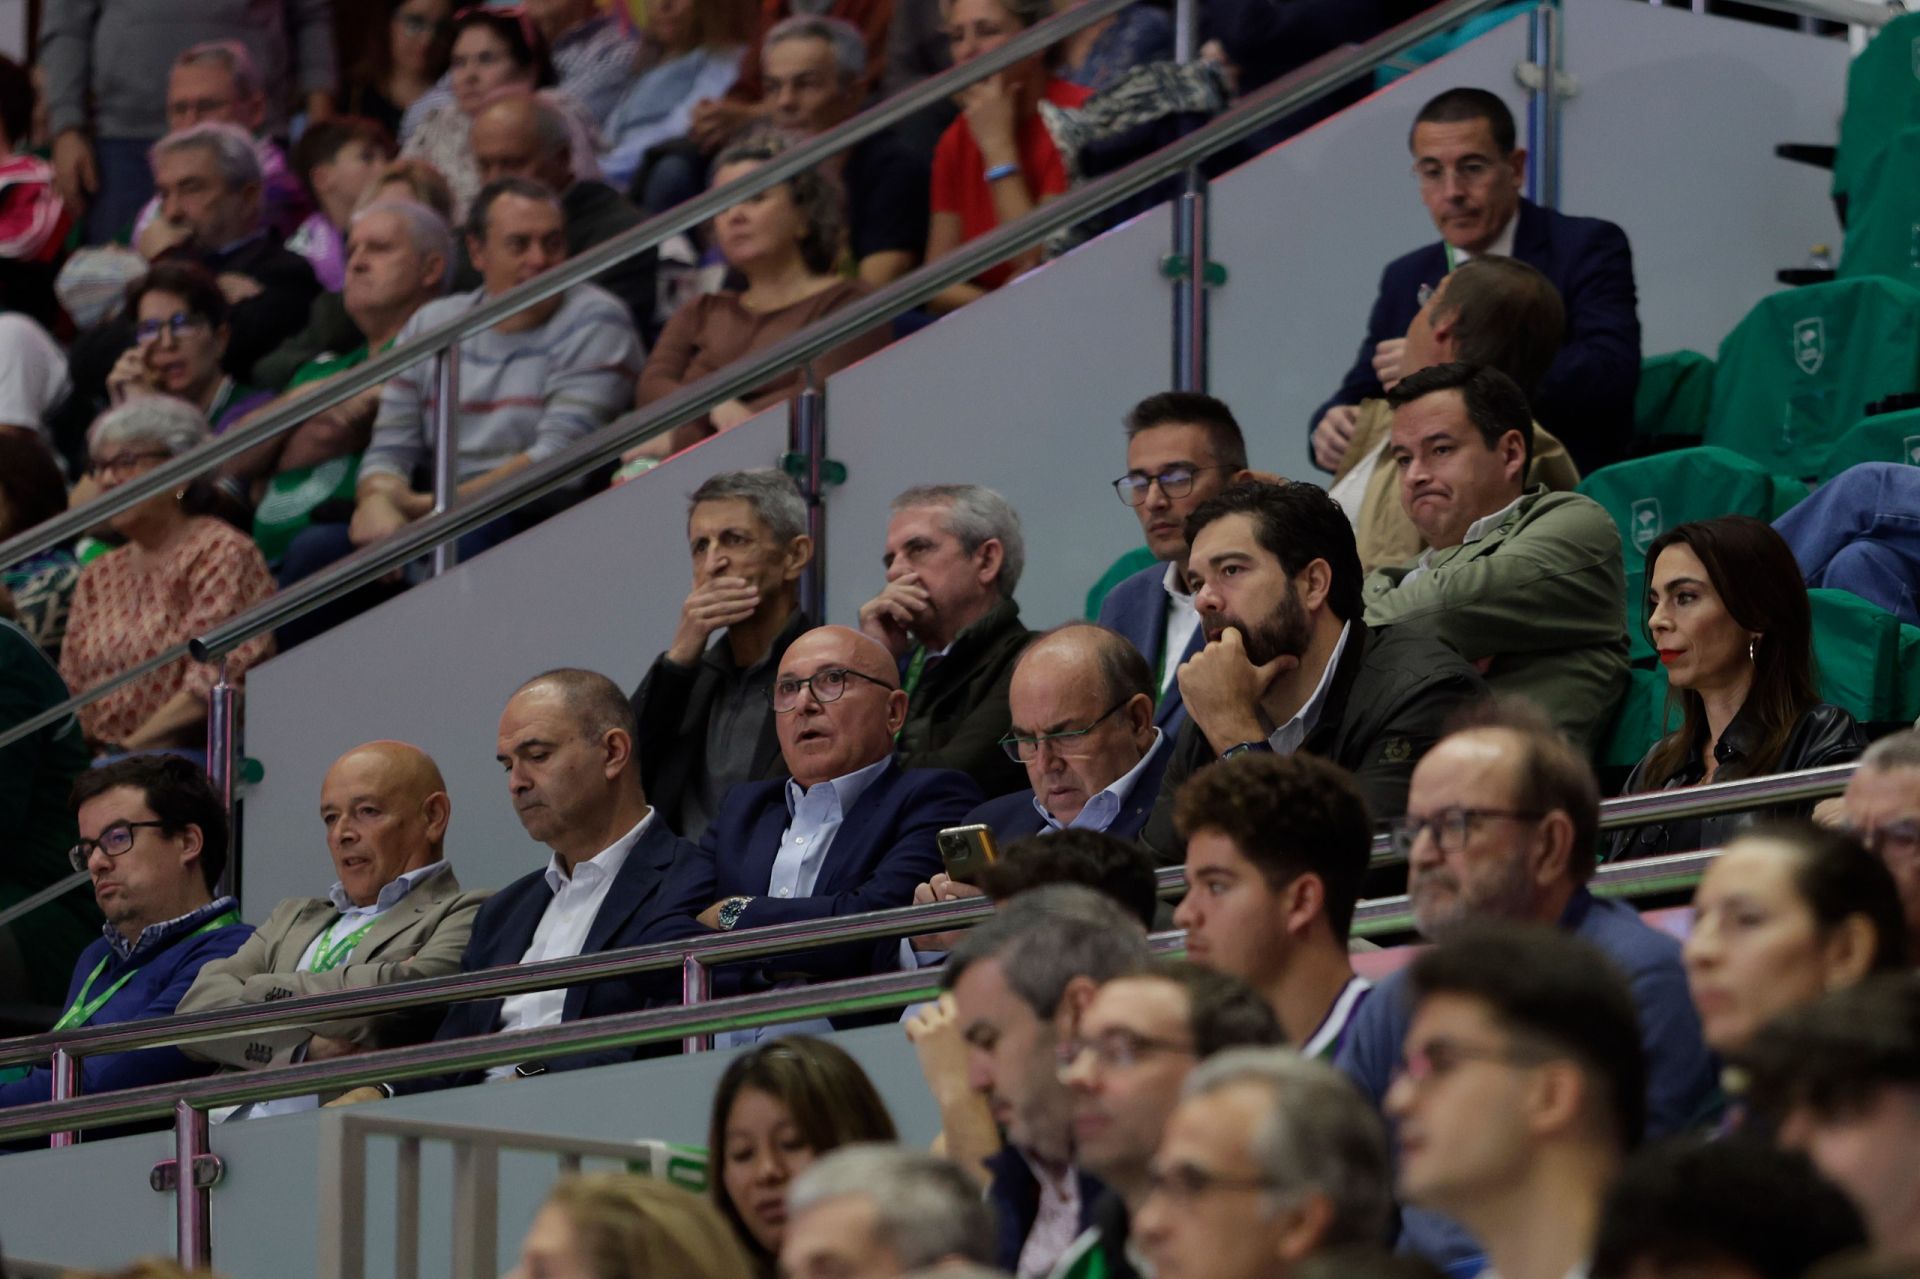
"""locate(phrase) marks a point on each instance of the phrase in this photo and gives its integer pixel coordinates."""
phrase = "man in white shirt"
(1277, 852)
(1526, 584)
(395, 913)
(566, 743)
(1182, 448)
(1522, 1088)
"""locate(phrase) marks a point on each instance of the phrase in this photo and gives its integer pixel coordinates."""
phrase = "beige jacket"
(1386, 536)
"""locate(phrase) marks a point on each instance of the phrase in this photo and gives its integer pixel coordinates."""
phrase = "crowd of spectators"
(1432, 646)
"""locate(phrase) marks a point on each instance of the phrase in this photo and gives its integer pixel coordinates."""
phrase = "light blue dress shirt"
(1101, 809)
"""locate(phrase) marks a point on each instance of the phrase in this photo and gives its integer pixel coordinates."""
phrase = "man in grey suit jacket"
(395, 913)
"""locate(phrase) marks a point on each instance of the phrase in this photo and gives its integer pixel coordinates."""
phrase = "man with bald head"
(523, 135)
(850, 831)
(395, 912)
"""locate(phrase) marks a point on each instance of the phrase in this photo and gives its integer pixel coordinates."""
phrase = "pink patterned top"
(123, 614)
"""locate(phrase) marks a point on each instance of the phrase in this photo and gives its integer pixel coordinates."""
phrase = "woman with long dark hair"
(397, 71)
(1728, 612)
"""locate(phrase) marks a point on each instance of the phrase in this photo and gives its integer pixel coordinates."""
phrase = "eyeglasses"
(1471, 171)
(1450, 826)
(179, 324)
(1184, 1183)
(1175, 481)
(826, 686)
(415, 25)
(114, 841)
(121, 463)
(1441, 1057)
(1119, 1049)
(1901, 839)
(1024, 750)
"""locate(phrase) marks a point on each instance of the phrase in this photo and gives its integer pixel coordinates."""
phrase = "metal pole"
(1543, 107)
(66, 1086)
(1186, 30)
(446, 447)
(807, 439)
(696, 987)
(193, 1202)
(476, 1209)
(220, 739)
(1189, 237)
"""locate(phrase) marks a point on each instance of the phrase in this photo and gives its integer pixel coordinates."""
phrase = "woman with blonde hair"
(614, 1225)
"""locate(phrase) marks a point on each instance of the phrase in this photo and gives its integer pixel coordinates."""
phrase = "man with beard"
(1289, 665)
(1501, 824)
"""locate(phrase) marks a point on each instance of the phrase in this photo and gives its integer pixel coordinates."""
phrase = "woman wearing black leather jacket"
(1728, 613)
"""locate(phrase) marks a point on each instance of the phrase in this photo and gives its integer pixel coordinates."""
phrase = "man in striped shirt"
(530, 386)
(1277, 850)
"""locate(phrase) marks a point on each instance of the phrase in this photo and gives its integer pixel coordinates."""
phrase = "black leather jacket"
(1825, 735)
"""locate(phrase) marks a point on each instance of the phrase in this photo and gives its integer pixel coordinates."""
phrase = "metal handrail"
(480, 1052)
(578, 269)
(1853, 13)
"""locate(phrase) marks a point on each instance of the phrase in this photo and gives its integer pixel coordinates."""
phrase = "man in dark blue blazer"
(1182, 448)
(851, 832)
(567, 743)
(1471, 173)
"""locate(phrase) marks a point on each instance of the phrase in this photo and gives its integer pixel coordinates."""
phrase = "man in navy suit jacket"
(1182, 448)
(567, 743)
(1471, 173)
(851, 832)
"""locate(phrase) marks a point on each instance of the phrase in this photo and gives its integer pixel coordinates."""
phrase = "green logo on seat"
(1646, 522)
(1810, 345)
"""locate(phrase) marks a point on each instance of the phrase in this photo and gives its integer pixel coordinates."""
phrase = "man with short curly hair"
(1277, 848)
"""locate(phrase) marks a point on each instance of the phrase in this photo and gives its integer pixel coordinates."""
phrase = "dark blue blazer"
(1586, 397)
(638, 909)
(1014, 816)
(1137, 608)
(883, 850)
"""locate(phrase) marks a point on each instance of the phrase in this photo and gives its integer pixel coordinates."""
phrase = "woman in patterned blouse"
(180, 573)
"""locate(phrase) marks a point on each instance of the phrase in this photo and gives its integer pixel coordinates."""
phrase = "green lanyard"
(915, 669)
(331, 953)
(83, 1008)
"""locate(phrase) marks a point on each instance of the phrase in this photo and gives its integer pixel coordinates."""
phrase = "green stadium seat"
(1884, 437)
(1883, 218)
(1867, 662)
(1883, 98)
(1123, 568)
(1804, 364)
(1675, 395)
(1650, 495)
(1640, 721)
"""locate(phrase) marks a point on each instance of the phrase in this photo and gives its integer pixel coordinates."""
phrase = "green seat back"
(1640, 720)
(1650, 495)
(1885, 437)
(1804, 364)
(1883, 218)
(1883, 97)
(1123, 568)
(1676, 392)
(1867, 662)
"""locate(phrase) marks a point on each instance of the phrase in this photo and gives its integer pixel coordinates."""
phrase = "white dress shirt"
(1289, 737)
(1502, 246)
(1183, 619)
(563, 929)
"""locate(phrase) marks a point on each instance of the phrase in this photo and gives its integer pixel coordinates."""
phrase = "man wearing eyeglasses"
(153, 839)
(1501, 826)
(1182, 448)
(1269, 1158)
(1882, 806)
(852, 830)
(1519, 1093)
(1470, 171)
(1137, 1043)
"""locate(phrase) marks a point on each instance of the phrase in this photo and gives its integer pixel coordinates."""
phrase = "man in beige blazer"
(395, 913)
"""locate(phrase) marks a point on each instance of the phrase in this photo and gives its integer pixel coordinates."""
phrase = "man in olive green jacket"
(1526, 584)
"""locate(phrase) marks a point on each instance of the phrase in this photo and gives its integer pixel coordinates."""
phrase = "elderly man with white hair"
(181, 572)
(879, 1212)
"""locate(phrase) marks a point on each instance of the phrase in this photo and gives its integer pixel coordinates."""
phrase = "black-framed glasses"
(1024, 750)
(114, 841)
(1120, 1049)
(829, 685)
(1184, 1183)
(1175, 481)
(120, 463)
(179, 324)
(1450, 826)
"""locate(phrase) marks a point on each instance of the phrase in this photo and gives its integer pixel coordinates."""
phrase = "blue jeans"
(1860, 532)
(126, 183)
